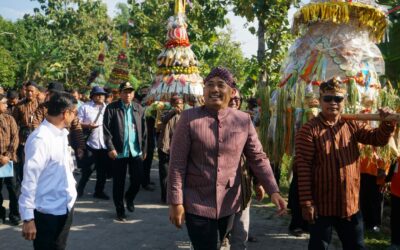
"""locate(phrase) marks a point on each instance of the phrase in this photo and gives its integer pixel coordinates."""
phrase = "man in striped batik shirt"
(328, 171)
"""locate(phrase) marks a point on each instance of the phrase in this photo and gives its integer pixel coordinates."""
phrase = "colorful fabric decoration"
(342, 13)
(337, 39)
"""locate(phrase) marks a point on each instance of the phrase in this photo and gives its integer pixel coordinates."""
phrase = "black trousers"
(163, 161)
(350, 232)
(13, 193)
(151, 144)
(52, 230)
(297, 220)
(371, 201)
(94, 159)
(135, 170)
(395, 220)
(205, 232)
(20, 164)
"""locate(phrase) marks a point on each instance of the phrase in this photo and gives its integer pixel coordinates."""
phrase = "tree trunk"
(262, 78)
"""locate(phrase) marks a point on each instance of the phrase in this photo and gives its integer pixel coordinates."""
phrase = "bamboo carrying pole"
(371, 117)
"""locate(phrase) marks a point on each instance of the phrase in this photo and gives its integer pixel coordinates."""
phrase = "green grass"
(377, 240)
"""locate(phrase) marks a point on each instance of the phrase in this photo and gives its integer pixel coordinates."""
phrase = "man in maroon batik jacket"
(204, 174)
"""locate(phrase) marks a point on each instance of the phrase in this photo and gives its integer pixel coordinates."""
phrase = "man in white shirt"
(48, 189)
(90, 115)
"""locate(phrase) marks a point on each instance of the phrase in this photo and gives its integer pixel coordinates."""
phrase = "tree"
(146, 35)
(7, 68)
(148, 28)
(272, 31)
(11, 37)
(225, 52)
(62, 39)
(66, 33)
(390, 48)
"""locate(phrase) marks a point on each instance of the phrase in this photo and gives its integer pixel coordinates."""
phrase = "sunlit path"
(148, 227)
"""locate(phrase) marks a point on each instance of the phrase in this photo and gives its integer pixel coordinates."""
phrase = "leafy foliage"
(224, 52)
(61, 40)
(273, 33)
(147, 35)
(390, 48)
(7, 68)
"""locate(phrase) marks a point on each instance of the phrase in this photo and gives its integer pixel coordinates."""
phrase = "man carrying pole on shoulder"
(328, 171)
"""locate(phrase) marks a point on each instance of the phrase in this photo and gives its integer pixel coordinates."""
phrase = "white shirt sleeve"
(35, 162)
(81, 113)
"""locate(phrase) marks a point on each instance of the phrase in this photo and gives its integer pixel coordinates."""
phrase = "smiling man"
(204, 175)
(328, 172)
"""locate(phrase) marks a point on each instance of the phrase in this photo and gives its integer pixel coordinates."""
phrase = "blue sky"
(14, 9)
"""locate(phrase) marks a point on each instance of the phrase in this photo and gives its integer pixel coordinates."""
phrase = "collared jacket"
(169, 120)
(23, 114)
(206, 149)
(113, 126)
(327, 162)
(8, 136)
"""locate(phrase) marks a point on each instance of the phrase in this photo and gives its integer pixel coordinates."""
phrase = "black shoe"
(130, 206)
(15, 220)
(3, 215)
(121, 217)
(101, 195)
(298, 232)
(148, 188)
(252, 239)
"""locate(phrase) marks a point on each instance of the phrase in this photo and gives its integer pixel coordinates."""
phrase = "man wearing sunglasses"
(328, 171)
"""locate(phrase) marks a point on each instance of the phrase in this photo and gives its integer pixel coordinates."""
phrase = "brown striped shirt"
(23, 115)
(76, 135)
(8, 136)
(204, 173)
(169, 119)
(327, 163)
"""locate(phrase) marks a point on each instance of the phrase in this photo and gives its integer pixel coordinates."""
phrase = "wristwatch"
(26, 221)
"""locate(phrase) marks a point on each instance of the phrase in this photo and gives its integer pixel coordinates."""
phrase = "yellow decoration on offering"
(180, 6)
(341, 13)
(125, 40)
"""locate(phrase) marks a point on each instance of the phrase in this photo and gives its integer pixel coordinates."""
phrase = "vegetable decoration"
(177, 64)
(120, 72)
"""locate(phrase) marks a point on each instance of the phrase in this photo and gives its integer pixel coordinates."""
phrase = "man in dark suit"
(125, 138)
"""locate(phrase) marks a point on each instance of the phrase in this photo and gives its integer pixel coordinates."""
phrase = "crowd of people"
(210, 162)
